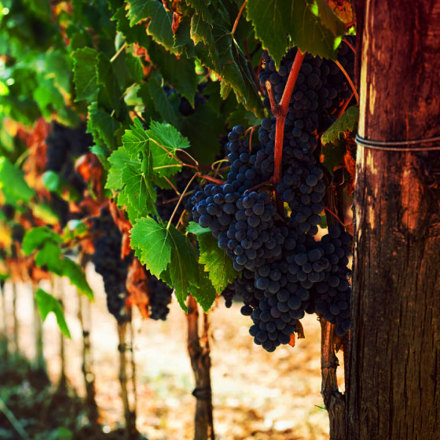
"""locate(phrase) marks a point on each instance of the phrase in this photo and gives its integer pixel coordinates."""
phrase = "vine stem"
(335, 216)
(280, 112)
(341, 67)
(266, 183)
(199, 353)
(113, 58)
(234, 28)
(349, 45)
(180, 200)
(344, 107)
(211, 179)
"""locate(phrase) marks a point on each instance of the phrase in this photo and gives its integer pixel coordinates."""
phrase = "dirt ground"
(257, 395)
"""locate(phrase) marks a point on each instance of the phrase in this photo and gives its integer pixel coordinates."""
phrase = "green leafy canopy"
(308, 24)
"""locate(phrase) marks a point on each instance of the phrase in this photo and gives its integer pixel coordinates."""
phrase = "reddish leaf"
(137, 287)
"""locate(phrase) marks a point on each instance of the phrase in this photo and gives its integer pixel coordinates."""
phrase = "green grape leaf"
(49, 304)
(133, 34)
(178, 72)
(308, 24)
(45, 212)
(36, 237)
(152, 245)
(183, 268)
(48, 97)
(50, 256)
(118, 161)
(204, 291)
(332, 154)
(127, 70)
(12, 181)
(346, 122)
(109, 92)
(160, 20)
(223, 55)
(205, 141)
(58, 65)
(165, 140)
(166, 135)
(139, 188)
(154, 97)
(135, 139)
(76, 276)
(218, 265)
(103, 127)
(85, 75)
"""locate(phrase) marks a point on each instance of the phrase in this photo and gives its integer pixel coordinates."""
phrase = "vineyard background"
(257, 395)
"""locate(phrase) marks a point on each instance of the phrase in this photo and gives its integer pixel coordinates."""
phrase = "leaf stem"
(273, 104)
(211, 179)
(172, 185)
(349, 45)
(234, 28)
(344, 107)
(113, 58)
(266, 183)
(341, 67)
(180, 200)
(181, 162)
(189, 155)
(335, 216)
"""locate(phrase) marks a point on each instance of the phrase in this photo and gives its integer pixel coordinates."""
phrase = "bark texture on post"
(333, 398)
(199, 353)
(394, 375)
(125, 380)
(39, 361)
(84, 317)
(85, 321)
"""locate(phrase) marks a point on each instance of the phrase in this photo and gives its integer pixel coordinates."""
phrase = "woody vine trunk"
(394, 367)
(199, 352)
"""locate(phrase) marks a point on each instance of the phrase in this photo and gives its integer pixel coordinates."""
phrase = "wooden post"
(394, 368)
(16, 322)
(87, 358)
(4, 330)
(125, 379)
(199, 353)
(39, 362)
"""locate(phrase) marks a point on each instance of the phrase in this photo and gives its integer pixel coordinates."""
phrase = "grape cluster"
(285, 270)
(107, 241)
(159, 295)
(64, 145)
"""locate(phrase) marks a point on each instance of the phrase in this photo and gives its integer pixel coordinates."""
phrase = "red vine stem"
(211, 179)
(335, 216)
(234, 28)
(280, 112)
(349, 45)
(344, 107)
(267, 183)
(341, 67)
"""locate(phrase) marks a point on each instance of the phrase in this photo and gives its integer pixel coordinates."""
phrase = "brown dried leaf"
(137, 287)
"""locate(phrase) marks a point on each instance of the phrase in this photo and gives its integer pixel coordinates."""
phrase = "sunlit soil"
(257, 395)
